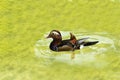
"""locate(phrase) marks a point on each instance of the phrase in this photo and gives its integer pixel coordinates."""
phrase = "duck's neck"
(57, 40)
(54, 44)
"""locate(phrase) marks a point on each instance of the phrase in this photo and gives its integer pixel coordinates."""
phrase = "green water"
(24, 50)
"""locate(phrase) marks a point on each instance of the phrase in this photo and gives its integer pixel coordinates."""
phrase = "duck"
(70, 44)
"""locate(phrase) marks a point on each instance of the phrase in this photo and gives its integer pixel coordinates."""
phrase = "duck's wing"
(65, 45)
(80, 41)
(68, 44)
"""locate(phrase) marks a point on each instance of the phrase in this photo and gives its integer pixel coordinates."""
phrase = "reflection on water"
(84, 56)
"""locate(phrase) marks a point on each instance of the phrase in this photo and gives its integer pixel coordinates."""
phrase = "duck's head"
(55, 34)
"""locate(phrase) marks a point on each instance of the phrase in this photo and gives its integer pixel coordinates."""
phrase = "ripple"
(85, 55)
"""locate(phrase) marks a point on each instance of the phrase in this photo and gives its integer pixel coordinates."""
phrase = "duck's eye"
(53, 34)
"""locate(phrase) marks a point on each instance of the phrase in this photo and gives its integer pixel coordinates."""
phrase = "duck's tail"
(90, 43)
(82, 42)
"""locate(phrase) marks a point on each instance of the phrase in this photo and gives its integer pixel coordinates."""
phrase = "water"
(24, 50)
(84, 56)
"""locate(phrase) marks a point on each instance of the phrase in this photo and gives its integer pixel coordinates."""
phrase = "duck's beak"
(48, 36)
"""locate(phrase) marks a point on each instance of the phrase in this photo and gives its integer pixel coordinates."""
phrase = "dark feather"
(90, 43)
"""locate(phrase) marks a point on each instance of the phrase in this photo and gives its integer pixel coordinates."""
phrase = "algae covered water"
(24, 49)
(98, 57)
